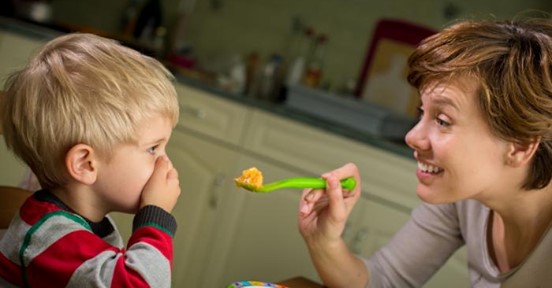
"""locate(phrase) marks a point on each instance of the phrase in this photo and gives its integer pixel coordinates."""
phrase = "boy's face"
(122, 178)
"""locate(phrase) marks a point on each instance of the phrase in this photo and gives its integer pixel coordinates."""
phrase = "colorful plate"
(254, 284)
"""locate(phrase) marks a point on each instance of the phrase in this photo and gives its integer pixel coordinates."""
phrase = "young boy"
(91, 118)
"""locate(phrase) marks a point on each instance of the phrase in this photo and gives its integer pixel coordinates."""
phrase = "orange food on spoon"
(251, 179)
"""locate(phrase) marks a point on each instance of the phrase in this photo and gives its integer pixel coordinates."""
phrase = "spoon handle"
(303, 183)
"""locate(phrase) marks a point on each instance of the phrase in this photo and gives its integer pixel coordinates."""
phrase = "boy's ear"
(520, 154)
(80, 162)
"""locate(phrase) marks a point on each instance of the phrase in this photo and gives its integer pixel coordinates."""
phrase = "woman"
(483, 145)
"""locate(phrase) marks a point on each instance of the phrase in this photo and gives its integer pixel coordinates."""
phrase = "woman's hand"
(323, 213)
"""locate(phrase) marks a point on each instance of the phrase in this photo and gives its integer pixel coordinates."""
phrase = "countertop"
(45, 32)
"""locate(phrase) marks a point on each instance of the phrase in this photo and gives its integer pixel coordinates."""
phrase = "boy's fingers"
(170, 162)
(172, 174)
(161, 166)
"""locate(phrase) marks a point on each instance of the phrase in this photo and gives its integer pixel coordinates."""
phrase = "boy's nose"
(168, 158)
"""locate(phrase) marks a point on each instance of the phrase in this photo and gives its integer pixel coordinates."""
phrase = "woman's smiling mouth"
(428, 168)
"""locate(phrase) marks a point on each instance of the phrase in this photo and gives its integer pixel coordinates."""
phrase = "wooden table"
(300, 282)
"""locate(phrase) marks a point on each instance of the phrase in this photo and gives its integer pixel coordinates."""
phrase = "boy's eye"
(152, 149)
(442, 122)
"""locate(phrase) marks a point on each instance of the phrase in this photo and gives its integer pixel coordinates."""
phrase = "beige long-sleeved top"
(435, 232)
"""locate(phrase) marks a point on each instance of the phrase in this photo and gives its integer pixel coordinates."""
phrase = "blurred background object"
(382, 79)
(35, 10)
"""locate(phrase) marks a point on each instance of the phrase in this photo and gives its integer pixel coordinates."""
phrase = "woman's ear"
(521, 154)
(80, 162)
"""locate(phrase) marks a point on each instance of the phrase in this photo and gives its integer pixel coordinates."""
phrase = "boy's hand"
(163, 187)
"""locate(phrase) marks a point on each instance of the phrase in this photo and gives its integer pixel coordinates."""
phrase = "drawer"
(211, 115)
(315, 151)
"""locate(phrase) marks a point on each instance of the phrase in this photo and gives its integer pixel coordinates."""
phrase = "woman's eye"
(152, 149)
(420, 112)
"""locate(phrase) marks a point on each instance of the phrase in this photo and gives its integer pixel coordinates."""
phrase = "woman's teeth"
(429, 168)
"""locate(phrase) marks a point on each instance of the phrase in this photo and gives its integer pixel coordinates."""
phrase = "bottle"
(159, 41)
(293, 40)
(297, 68)
(238, 75)
(251, 73)
(130, 14)
(270, 79)
(313, 73)
(149, 18)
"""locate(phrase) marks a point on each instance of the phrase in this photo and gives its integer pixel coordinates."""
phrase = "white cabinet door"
(371, 225)
(205, 176)
(211, 116)
(294, 144)
(15, 51)
(262, 241)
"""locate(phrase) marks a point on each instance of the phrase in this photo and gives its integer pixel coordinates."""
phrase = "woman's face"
(458, 156)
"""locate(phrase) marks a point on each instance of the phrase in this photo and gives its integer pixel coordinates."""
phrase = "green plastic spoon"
(301, 183)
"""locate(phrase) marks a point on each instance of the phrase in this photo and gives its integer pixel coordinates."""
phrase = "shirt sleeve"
(418, 249)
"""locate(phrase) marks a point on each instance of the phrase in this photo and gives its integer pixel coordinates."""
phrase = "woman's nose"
(417, 138)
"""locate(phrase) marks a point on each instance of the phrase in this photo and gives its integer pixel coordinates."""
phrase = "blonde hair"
(512, 63)
(81, 88)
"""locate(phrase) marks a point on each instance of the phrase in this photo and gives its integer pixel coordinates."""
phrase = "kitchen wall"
(218, 29)
(241, 26)
(105, 15)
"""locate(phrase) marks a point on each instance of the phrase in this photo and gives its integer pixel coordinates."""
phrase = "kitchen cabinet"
(261, 238)
(204, 170)
(15, 51)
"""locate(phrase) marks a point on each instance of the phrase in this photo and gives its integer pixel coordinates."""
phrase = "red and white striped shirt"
(48, 245)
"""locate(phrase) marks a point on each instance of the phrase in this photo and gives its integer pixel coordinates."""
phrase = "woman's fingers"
(335, 198)
(309, 198)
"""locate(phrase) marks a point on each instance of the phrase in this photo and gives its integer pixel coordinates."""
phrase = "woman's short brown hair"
(512, 63)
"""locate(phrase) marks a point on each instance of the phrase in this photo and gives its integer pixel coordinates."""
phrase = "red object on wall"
(393, 29)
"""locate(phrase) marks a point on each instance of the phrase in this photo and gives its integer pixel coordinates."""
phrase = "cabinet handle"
(215, 187)
(196, 112)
